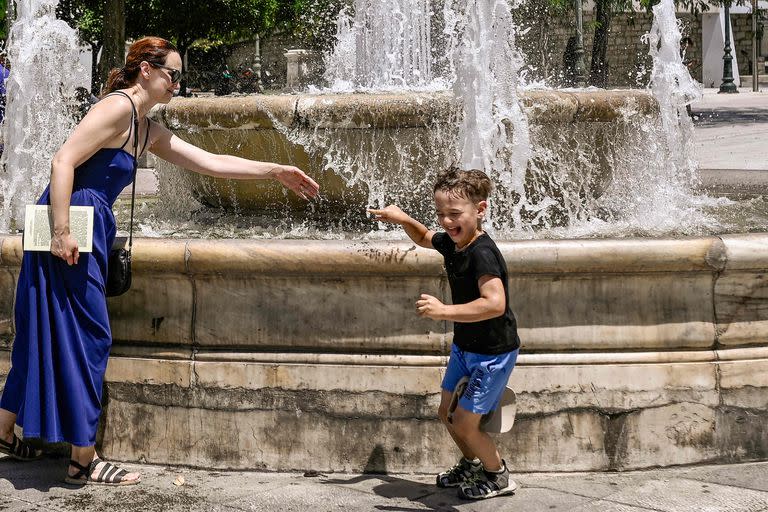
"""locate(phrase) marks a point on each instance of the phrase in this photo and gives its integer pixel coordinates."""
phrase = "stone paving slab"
(38, 486)
(683, 495)
(731, 130)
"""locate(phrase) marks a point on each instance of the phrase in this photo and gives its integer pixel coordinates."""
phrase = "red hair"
(151, 49)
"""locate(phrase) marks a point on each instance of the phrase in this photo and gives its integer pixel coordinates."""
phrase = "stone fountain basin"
(396, 126)
(298, 354)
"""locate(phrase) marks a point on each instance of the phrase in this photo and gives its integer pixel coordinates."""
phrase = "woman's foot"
(99, 472)
(17, 449)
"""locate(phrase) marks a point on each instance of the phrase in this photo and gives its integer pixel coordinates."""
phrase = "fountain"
(637, 352)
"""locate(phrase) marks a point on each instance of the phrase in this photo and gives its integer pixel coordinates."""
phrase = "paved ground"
(37, 486)
(731, 138)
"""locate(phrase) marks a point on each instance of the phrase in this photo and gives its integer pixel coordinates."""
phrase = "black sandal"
(19, 450)
(109, 474)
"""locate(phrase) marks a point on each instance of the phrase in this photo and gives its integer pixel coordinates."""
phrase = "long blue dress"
(63, 336)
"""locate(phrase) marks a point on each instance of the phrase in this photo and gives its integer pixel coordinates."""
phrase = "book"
(38, 227)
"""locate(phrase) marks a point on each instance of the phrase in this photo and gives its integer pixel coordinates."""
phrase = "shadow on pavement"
(715, 117)
(43, 474)
(428, 495)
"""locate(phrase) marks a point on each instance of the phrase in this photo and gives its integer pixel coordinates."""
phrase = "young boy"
(485, 342)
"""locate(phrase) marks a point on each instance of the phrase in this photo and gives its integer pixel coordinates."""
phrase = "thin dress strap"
(146, 139)
(133, 114)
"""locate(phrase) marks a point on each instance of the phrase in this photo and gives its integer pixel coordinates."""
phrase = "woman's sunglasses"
(173, 74)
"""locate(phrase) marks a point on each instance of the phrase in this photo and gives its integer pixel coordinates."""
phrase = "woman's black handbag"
(119, 262)
(118, 271)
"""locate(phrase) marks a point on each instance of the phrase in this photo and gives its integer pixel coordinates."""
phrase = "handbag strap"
(135, 123)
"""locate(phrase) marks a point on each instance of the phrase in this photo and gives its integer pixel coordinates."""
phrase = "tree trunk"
(183, 47)
(598, 72)
(113, 40)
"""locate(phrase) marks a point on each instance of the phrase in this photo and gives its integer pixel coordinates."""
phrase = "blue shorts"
(488, 376)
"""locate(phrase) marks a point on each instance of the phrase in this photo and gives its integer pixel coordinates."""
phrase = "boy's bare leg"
(442, 412)
(466, 427)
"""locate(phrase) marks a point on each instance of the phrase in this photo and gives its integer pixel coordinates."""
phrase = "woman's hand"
(391, 213)
(294, 178)
(64, 246)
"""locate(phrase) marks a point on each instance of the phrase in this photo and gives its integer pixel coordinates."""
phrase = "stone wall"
(629, 64)
(273, 60)
(742, 43)
(543, 39)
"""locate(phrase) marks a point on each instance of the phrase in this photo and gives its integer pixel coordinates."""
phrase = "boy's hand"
(391, 214)
(430, 307)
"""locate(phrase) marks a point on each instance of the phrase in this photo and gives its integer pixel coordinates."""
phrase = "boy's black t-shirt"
(482, 257)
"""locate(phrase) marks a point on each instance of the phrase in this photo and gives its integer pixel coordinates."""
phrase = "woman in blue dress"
(53, 390)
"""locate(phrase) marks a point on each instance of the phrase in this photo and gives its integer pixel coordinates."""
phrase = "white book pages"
(38, 227)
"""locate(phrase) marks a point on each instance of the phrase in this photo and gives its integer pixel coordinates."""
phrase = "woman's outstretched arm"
(169, 147)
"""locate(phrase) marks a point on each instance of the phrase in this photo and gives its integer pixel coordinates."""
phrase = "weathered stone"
(7, 290)
(158, 309)
(395, 128)
(309, 354)
(244, 112)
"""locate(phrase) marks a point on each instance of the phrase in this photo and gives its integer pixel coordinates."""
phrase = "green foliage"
(3, 13)
(693, 6)
(313, 22)
(185, 21)
(86, 16)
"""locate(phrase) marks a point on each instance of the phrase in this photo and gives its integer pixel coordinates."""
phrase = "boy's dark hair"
(473, 184)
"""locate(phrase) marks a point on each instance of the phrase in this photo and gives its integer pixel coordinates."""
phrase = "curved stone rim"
(389, 110)
(289, 257)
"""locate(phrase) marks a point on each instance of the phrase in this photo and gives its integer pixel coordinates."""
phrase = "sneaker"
(464, 470)
(487, 484)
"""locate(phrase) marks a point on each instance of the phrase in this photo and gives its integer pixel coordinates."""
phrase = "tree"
(313, 22)
(3, 20)
(113, 37)
(87, 17)
(184, 21)
(604, 10)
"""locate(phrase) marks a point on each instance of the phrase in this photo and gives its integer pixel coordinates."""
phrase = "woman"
(53, 390)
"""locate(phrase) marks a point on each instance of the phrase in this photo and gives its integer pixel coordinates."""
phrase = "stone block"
(741, 307)
(605, 311)
(129, 371)
(7, 292)
(603, 389)
(158, 309)
(349, 314)
(744, 384)
(679, 433)
(352, 378)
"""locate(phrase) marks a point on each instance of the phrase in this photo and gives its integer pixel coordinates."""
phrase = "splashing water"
(652, 186)
(384, 46)
(494, 132)
(549, 179)
(43, 54)
(673, 88)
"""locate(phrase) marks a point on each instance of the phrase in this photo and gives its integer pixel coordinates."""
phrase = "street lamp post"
(580, 69)
(728, 86)
(755, 73)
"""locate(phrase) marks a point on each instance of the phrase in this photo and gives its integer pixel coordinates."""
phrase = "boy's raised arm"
(415, 230)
